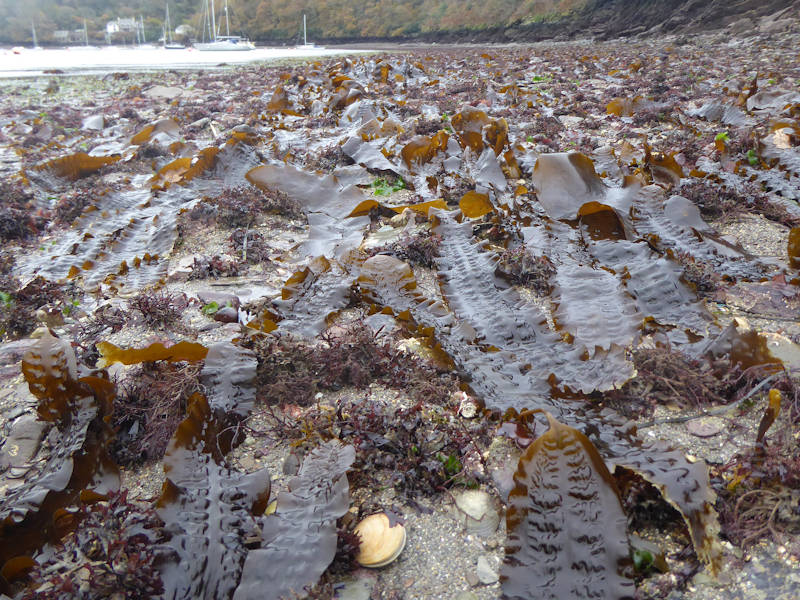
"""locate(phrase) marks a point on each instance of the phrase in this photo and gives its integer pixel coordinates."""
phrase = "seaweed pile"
(545, 224)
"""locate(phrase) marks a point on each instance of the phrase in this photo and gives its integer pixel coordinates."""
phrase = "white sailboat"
(36, 45)
(169, 43)
(306, 44)
(225, 42)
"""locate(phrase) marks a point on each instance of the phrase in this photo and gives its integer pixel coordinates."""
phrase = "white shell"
(476, 510)
(380, 543)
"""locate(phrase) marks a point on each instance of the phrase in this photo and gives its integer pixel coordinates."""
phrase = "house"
(122, 27)
(127, 25)
(61, 36)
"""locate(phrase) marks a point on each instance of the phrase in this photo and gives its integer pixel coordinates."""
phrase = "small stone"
(503, 479)
(50, 316)
(404, 218)
(291, 465)
(95, 123)
(163, 92)
(183, 269)
(703, 578)
(704, 428)
(485, 572)
(227, 314)
(472, 579)
(466, 596)
(200, 123)
(356, 589)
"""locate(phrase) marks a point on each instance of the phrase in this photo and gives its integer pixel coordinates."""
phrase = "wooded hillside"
(279, 20)
(329, 21)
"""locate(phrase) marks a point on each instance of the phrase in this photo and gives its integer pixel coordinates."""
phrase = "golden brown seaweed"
(189, 351)
(52, 462)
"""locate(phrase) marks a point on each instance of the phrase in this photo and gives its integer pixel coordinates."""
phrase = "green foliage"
(642, 560)
(546, 78)
(381, 187)
(752, 157)
(452, 466)
(69, 306)
(722, 136)
(210, 308)
(6, 298)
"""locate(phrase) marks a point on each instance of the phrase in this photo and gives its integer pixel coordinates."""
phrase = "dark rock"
(227, 314)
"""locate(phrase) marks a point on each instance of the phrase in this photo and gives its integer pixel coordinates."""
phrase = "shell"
(476, 510)
(380, 543)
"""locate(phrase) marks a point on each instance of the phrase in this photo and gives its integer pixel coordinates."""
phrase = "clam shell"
(380, 543)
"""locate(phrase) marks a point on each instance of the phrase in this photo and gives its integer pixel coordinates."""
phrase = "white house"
(121, 25)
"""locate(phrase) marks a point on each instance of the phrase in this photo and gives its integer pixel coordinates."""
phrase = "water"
(27, 62)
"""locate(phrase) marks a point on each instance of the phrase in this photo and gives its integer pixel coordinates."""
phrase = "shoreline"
(284, 211)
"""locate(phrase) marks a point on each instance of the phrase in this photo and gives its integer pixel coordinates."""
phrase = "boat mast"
(305, 41)
(33, 31)
(227, 22)
(85, 34)
(206, 22)
(213, 24)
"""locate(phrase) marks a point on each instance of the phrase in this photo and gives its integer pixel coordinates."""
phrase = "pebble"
(181, 271)
(227, 314)
(704, 428)
(475, 509)
(291, 464)
(94, 123)
(485, 572)
(357, 589)
(163, 92)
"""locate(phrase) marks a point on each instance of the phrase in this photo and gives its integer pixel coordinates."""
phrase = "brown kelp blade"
(210, 508)
(299, 539)
(566, 527)
(57, 457)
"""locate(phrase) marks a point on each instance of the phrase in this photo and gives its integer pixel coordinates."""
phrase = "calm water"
(77, 60)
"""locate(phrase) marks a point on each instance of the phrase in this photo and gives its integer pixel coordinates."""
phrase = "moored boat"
(226, 42)
(169, 43)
